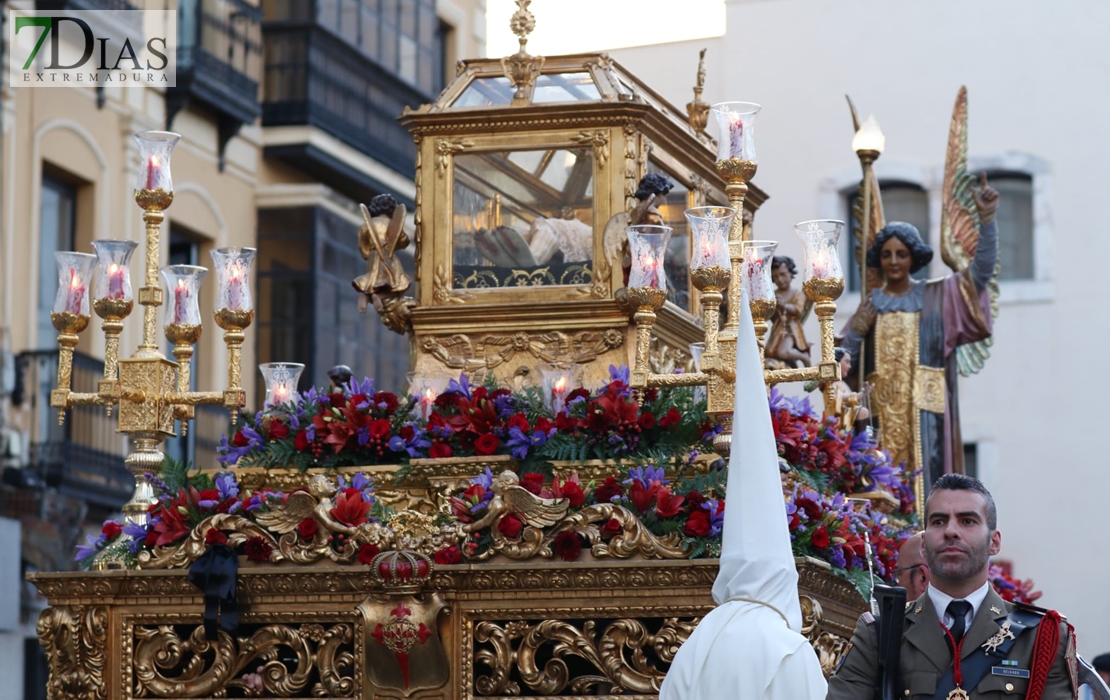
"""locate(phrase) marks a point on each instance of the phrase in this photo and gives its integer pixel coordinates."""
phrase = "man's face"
(911, 572)
(958, 543)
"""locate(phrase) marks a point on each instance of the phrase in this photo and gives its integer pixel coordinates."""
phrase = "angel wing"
(298, 506)
(959, 227)
(533, 510)
(878, 219)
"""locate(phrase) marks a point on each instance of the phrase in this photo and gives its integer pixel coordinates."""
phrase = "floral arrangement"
(1010, 588)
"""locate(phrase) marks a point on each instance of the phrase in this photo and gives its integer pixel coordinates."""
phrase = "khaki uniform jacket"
(925, 657)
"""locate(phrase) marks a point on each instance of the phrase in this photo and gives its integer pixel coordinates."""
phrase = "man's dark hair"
(920, 252)
(1102, 663)
(963, 482)
(383, 205)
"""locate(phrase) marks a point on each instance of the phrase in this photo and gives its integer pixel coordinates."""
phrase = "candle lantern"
(425, 388)
(155, 148)
(736, 121)
(71, 303)
(823, 279)
(559, 379)
(234, 306)
(183, 292)
(696, 351)
(281, 382)
(113, 280)
(710, 226)
(647, 245)
(756, 285)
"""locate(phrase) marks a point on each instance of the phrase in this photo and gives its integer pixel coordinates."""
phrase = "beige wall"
(1035, 73)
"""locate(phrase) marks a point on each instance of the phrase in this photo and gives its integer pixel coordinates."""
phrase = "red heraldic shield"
(403, 648)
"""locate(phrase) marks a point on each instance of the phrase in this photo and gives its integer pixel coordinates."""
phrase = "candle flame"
(235, 272)
(154, 162)
(561, 385)
(74, 280)
(429, 395)
(181, 284)
(113, 268)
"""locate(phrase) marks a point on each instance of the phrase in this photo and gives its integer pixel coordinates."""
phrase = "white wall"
(1037, 79)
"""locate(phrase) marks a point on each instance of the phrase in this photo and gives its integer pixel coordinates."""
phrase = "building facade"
(1031, 419)
(287, 111)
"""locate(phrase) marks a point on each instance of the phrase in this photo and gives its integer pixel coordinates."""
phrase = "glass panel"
(485, 92)
(407, 69)
(56, 233)
(565, 87)
(523, 218)
(677, 262)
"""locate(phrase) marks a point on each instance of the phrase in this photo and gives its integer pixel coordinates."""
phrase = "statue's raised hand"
(986, 200)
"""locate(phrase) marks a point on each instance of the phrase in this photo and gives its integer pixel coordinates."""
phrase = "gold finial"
(522, 68)
(698, 110)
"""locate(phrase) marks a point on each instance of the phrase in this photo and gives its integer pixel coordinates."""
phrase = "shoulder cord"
(1045, 647)
(742, 599)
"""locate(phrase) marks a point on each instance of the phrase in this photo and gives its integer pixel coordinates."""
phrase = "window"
(902, 201)
(1015, 223)
(971, 459)
(57, 231)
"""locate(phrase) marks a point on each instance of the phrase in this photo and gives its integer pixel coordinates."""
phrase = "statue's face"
(781, 277)
(845, 366)
(896, 260)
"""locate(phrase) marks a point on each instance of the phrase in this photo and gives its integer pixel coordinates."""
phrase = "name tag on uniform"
(1010, 671)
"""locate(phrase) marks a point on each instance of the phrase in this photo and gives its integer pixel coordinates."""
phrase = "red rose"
(300, 442)
(449, 555)
(379, 428)
(611, 528)
(544, 425)
(580, 392)
(647, 421)
(795, 521)
(257, 549)
(669, 418)
(215, 536)
(151, 540)
(694, 499)
(367, 552)
(486, 444)
(337, 400)
(307, 528)
(446, 400)
(809, 507)
(520, 422)
(111, 530)
(565, 423)
(532, 483)
(510, 526)
(440, 450)
(697, 525)
(820, 537)
(609, 488)
(651, 394)
(573, 493)
(208, 495)
(240, 440)
(389, 399)
(278, 430)
(407, 433)
(567, 545)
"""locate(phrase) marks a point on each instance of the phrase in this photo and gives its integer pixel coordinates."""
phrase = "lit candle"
(735, 135)
(181, 302)
(820, 265)
(559, 396)
(76, 293)
(152, 172)
(708, 252)
(281, 393)
(235, 288)
(426, 402)
(651, 267)
(757, 281)
(115, 281)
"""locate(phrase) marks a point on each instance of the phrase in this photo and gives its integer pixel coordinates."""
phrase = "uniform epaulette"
(868, 618)
(1034, 609)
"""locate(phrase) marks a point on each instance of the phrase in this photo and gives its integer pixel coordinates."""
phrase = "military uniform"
(925, 657)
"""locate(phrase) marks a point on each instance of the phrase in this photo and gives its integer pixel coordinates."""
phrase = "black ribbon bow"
(214, 573)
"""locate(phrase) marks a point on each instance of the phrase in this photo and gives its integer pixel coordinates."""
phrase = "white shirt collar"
(941, 600)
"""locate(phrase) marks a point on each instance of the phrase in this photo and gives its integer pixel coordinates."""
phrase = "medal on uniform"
(958, 694)
(992, 644)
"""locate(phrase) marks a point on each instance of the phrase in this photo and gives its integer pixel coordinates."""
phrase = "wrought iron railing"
(220, 56)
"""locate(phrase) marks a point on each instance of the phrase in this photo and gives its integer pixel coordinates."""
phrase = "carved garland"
(460, 351)
(631, 171)
(445, 148)
(600, 142)
(600, 288)
(442, 291)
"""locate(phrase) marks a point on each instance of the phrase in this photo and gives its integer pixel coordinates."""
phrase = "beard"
(977, 554)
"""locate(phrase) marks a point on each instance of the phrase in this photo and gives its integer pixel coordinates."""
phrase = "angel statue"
(918, 335)
(379, 240)
(786, 343)
(510, 497)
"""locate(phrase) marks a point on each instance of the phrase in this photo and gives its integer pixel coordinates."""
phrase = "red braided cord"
(1045, 648)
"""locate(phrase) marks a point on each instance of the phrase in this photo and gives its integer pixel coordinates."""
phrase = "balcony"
(314, 78)
(219, 63)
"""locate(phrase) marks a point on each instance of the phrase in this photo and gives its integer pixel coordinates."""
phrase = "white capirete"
(750, 647)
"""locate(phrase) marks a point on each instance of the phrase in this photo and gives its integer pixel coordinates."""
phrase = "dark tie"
(958, 609)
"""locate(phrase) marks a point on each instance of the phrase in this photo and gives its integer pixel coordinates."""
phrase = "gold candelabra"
(723, 262)
(150, 391)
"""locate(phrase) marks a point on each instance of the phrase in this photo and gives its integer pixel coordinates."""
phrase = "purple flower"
(208, 503)
(485, 479)
(518, 443)
(415, 446)
(363, 435)
(505, 405)
(366, 386)
(310, 432)
(716, 520)
(836, 558)
(647, 476)
(137, 533)
(227, 486)
(460, 387)
(229, 454)
(365, 405)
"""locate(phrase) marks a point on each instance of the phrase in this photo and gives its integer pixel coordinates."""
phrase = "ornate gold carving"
(443, 292)
(445, 148)
(929, 389)
(631, 171)
(698, 110)
(460, 351)
(600, 288)
(522, 68)
(896, 353)
(418, 203)
(663, 359)
(599, 140)
(75, 640)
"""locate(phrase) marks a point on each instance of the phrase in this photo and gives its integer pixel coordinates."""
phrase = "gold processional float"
(548, 196)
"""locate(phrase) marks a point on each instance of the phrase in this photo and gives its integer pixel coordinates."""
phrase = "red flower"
(486, 444)
(240, 440)
(440, 450)
(307, 528)
(642, 498)
(567, 545)
(215, 536)
(669, 418)
(565, 423)
(697, 524)
(572, 492)
(278, 430)
(520, 422)
(337, 400)
(544, 425)
(532, 483)
(609, 488)
(407, 432)
(647, 421)
(209, 495)
(820, 537)
(474, 493)
(667, 506)
(580, 392)
(111, 530)
(350, 509)
(300, 441)
(611, 529)
(171, 527)
(651, 394)
(510, 526)
(694, 499)
(257, 549)
(795, 521)
(379, 429)
(449, 555)
(389, 399)
(810, 507)
(367, 552)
